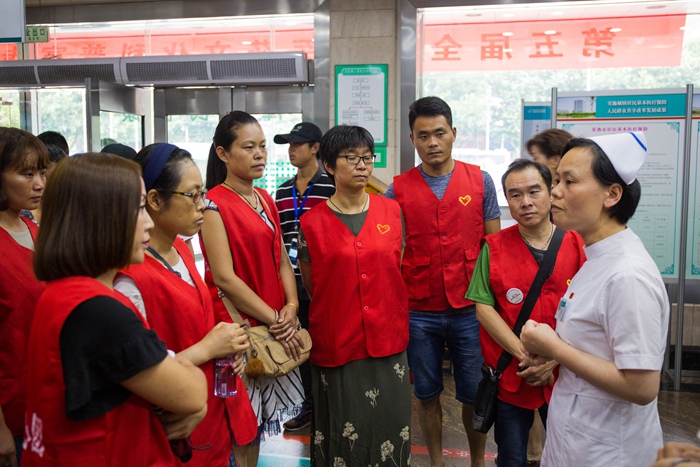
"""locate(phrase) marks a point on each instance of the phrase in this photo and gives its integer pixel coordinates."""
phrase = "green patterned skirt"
(362, 413)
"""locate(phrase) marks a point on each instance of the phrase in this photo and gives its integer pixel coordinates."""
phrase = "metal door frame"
(222, 100)
(111, 97)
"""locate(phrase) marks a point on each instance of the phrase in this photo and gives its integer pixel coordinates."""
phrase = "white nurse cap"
(626, 151)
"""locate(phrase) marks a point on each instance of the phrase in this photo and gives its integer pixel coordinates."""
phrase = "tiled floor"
(680, 419)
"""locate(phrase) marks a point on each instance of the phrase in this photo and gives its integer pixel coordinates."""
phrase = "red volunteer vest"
(512, 266)
(19, 292)
(442, 236)
(359, 306)
(255, 250)
(182, 315)
(129, 434)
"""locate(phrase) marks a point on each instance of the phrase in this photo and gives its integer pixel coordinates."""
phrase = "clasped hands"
(537, 341)
(285, 331)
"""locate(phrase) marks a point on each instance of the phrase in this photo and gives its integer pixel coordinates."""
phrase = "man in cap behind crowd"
(309, 187)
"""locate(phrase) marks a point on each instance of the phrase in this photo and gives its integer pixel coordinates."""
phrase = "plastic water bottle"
(224, 377)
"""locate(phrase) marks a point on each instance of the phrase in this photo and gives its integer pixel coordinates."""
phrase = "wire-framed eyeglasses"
(196, 197)
(355, 160)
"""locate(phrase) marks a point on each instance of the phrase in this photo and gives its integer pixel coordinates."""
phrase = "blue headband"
(156, 162)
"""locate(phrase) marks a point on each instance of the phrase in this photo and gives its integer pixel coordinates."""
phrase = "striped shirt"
(323, 188)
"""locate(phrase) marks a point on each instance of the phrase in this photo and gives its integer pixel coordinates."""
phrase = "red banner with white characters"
(542, 45)
(8, 51)
(539, 45)
(174, 42)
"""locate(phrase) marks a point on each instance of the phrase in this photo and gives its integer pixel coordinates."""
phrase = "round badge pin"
(514, 296)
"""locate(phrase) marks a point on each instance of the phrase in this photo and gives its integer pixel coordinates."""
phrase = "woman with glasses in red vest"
(350, 260)
(23, 162)
(102, 387)
(170, 293)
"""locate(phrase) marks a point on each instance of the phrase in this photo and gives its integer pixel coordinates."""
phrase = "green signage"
(361, 98)
(380, 161)
(36, 34)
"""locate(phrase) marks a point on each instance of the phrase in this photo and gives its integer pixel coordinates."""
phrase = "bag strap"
(543, 273)
(233, 312)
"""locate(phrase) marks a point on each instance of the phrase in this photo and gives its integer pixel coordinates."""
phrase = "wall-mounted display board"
(660, 114)
(537, 117)
(361, 98)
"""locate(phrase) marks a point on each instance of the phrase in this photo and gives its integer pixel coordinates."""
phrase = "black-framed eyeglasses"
(196, 197)
(355, 160)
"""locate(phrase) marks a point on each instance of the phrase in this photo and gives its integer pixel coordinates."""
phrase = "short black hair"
(55, 153)
(55, 138)
(550, 142)
(343, 138)
(519, 165)
(170, 177)
(606, 175)
(430, 106)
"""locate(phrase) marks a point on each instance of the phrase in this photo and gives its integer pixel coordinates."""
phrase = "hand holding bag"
(487, 392)
(266, 355)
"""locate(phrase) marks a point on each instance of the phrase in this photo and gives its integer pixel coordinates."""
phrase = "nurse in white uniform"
(611, 323)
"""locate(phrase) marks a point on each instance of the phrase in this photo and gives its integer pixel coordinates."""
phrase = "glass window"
(9, 108)
(193, 133)
(278, 167)
(63, 110)
(121, 128)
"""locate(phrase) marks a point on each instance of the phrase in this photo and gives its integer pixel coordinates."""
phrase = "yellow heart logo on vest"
(383, 228)
(465, 199)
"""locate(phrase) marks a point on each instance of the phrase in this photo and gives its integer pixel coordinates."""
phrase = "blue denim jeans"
(511, 431)
(429, 333)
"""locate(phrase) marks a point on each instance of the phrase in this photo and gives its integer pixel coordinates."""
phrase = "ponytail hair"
(224, 136)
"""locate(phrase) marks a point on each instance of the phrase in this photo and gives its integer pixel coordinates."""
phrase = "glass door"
(116, 114)
(188, 118)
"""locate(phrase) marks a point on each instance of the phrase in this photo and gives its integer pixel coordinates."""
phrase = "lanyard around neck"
(299, 209)
(157, 256)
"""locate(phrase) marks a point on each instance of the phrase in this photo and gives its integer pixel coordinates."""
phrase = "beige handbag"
(266, 355)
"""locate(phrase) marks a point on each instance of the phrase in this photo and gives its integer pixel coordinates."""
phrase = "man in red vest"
(448, 207)
(503, 276)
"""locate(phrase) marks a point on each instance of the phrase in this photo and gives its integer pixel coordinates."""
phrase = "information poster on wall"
(361, 98)
(693, 264)
(537, 117)
(661, 116)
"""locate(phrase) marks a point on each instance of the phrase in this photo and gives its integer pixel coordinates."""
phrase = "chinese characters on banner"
(183, 42)
(572, 44)
(8, 51)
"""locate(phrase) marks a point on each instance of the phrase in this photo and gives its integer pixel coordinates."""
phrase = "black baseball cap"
(304, 132)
